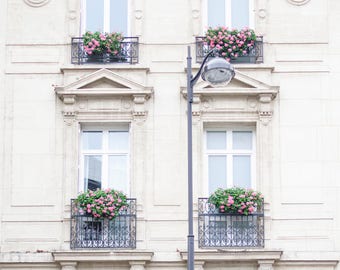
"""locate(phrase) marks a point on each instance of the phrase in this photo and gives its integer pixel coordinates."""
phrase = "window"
(230, 158)
(105, 16)
(105, 158)
(231, 13)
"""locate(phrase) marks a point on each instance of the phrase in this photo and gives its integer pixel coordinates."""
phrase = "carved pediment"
(104, 91)
(103, 82)
(243, 95)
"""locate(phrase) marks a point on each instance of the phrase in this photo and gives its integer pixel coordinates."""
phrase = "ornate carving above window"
(244, 98)
(104, 95)
(36, 3)
(298, 2)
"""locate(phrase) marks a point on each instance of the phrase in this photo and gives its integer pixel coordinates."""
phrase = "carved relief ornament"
(36, 3)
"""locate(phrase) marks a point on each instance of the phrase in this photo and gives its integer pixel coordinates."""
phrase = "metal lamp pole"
(222, 72)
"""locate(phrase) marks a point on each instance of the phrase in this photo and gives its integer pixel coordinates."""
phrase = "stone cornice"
(234, 255)
(102, 256)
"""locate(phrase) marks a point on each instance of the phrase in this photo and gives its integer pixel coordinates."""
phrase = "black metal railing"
(228, 230)
(90, 232)
(254, 54)
(129, 51)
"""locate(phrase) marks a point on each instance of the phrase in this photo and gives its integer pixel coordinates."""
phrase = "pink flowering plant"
(101, 203)
(98, 43)
(236, 200)
(230, 43)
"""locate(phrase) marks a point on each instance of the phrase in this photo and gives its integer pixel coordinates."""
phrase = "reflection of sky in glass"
(239, 13)
(216, 140)
(242, 140)
(94, 15)
(92, 140)
(119, 140)
(241, 171)
(217, 172)
(118, 16)
(216, 13)
(92, 172)
(118, 173)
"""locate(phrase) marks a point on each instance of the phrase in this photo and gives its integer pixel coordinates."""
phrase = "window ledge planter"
(224, 222)
(122, 50)
(237, 46)
(101, 224)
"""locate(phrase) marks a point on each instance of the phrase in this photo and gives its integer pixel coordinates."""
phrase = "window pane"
(242, 140)
(118, 16)
(241, 171)
(216, 13)
(216, 140)
(217, 172)
(92, 172)
(239, 13)
(119, 140)
(92, 140)
(118, 173)
(94, 15)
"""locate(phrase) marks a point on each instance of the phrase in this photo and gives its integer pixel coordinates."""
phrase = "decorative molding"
(298, 2)
(104, 92)
(36, 3)
(243, 97)
(68, 265)
(246, 255)
(265, 264)
(139, 257)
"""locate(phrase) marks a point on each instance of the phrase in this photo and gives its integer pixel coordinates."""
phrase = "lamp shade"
(218, 71)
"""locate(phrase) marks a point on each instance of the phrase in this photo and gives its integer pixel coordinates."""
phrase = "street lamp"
(215, 71)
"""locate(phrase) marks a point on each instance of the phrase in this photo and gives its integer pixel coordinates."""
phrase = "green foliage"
(98, 43)
(231, 43)
(101, 203)
(236, 200)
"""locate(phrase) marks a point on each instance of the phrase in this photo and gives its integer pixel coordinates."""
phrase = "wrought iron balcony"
(221, 230)
(254, 54)
(90, 232)
(128, 53)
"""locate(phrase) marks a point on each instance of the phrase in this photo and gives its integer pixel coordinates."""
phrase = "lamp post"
(215, 71)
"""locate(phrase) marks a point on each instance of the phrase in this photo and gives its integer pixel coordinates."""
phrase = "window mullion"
(106, 23)
(228, 13)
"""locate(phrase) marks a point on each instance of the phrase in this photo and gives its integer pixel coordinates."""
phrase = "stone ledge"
(234, 255)
(101, 256)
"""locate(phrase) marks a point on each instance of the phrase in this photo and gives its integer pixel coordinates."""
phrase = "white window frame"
(104, 152)
(106, 15)
(228, 14)
(229, 153)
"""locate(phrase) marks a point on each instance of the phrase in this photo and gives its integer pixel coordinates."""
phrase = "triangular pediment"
(241, 84)
(103, 82)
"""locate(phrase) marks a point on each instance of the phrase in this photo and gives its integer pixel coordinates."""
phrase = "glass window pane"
(243, 140)
(216, 140)
(94, 15)
(92, 140)
(217, 172)
(239, 13)
(92, 172)
(118, 16)
(118, 173)
(216, 13)
(241, 171)
(119, 140)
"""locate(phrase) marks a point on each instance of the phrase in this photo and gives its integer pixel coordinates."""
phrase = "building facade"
(72, 121)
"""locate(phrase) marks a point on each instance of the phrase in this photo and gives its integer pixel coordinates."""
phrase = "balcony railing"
(128, 53)
(90, 232)
(221, 230)
(254, 55)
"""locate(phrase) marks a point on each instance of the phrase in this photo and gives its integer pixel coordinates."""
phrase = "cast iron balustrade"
(90, 232)
(254, 56)
(221, 230)
(128, 53)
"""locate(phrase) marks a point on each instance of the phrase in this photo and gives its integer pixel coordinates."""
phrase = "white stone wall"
(298, 162)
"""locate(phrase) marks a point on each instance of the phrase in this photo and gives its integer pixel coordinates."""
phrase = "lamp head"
(218, 71)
